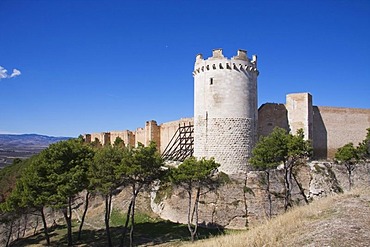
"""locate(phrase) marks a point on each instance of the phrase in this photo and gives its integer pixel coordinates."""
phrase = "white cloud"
(4, 73)
(15, 73)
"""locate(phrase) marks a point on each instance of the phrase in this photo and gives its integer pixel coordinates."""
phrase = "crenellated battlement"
(240, 62)
(230, 66)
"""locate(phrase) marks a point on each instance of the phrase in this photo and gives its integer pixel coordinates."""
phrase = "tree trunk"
(36, 225)
(45, 226)
(135, 192)
(268, 193)
(10, 233)
(300, 189)
(108, 200)
(245, 199)
(196, 203)
(288, 186)
(350, 179)
(25, 225)
(83, 215)
(19, 228)
(349, 170)
(189, 216)
(126, 224)
(67, 213)
(70, 222)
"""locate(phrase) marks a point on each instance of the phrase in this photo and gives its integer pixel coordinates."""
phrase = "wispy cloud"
(15, 73)
(4, 73)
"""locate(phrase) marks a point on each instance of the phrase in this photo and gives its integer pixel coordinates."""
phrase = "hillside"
(23, 146)
(340, 220)
(337, 221)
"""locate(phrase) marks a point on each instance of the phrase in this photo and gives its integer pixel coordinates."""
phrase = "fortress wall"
(332, 127)
(87, 138)
(271, 115)
(335, 127)
(320, 137)
(127, 136)
(167, 130)
(139, 136)
(99, 136)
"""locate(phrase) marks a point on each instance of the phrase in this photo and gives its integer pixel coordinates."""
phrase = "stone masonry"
(225, 109)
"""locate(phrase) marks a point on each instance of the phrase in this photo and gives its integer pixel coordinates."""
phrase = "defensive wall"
(160, 134)
(329, 127)
(337, 126)
(126, 135)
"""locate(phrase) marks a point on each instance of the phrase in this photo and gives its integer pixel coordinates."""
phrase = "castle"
(227, 121)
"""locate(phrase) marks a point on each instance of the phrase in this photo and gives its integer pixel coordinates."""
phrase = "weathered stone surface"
(233, 206)
(225, 109)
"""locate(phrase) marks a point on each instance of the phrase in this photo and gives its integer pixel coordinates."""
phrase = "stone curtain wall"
(271, 115)
(99, 136)
(328, 127)
(167, 131)
(160, 134)
(127, 136)
(332, 128)
(335, 127)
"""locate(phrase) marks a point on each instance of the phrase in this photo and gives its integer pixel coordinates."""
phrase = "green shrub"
(118, 218)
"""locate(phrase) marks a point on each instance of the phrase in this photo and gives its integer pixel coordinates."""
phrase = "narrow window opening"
(210, 81)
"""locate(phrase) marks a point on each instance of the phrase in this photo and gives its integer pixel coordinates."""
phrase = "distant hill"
(23, 146)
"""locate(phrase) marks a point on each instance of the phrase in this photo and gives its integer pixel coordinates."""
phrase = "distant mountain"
(29, 140)
(23, 146)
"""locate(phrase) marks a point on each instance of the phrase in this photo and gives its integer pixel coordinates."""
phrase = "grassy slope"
(341, 220)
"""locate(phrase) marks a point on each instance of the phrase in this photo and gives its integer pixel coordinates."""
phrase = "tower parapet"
(225, 108)
(240, 62)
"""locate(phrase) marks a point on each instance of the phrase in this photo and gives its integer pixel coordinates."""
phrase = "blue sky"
(92, 66)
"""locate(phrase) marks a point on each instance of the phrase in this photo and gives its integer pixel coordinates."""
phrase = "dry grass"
(341, 220)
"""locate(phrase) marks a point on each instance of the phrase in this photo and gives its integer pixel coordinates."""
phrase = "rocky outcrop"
(243, 201)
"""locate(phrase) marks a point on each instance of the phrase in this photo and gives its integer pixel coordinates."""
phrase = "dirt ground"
(346, 222)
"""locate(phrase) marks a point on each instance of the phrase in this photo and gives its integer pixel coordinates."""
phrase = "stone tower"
(225, 109)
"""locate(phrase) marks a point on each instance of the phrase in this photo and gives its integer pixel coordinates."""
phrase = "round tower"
(225, 109)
